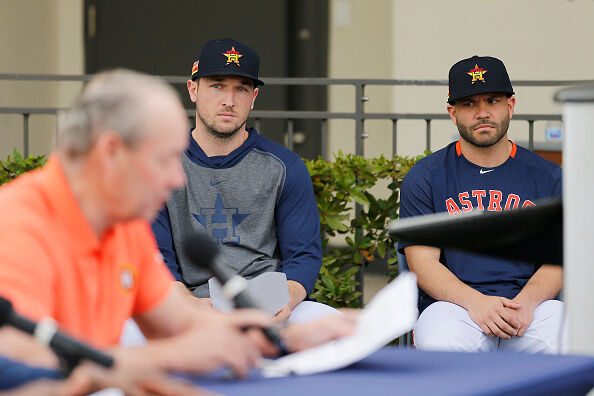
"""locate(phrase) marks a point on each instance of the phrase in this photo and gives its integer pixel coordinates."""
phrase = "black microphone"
(204, 252)
(46, 333)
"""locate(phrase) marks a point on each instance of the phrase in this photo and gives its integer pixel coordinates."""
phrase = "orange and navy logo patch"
(477, 74)
(232, 56)
(195, 67)
(128, 277)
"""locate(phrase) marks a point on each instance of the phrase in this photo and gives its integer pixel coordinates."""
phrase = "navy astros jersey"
(447, 181)
(257, 203)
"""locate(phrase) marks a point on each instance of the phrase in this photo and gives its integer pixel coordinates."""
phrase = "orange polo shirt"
(53, 264)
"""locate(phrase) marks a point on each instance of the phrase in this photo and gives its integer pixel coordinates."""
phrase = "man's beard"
(500, 128)
(211, 128)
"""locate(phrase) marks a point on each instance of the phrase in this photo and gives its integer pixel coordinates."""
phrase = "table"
(398, 371)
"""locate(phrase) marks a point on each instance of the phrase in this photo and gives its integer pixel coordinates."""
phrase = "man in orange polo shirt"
(76, 246)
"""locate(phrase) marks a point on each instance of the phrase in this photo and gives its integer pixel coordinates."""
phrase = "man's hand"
(89, 378)
(21, 347)
(494, 315)
(297, 294)
(306, 335)
(523, 315)
(545, 284)
(179, 286)
(201, 302)
(283, 314)
(212, 340)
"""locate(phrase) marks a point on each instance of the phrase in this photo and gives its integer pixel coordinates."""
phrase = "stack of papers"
(391, 313)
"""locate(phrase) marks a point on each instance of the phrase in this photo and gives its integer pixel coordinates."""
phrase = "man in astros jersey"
(470, 302)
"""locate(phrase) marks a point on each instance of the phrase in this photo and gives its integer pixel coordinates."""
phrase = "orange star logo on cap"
(232, 56)
(477, 74)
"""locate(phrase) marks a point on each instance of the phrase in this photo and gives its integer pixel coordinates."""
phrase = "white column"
(578, 215)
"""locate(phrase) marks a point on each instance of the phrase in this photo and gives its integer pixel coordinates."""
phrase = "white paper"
(269, 291)
(391, 313)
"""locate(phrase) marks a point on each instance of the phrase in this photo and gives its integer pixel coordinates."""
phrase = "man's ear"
(256, 90)
(107, 150)
(193, 89)
(511, 104)
(452, 112)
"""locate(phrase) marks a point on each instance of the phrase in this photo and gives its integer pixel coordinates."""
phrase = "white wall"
(537, 39)
(404, 39)
(37, 37)
(360, 46)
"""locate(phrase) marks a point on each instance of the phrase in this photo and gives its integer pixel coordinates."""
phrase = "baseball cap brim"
(211, 73)
(477, 92)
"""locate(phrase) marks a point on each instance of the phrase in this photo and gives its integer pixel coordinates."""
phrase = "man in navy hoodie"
(252, 195)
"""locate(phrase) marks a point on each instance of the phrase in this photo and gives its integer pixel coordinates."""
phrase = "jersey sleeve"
(415, 197)
(154, 279)
(298, 227)
(162, 230)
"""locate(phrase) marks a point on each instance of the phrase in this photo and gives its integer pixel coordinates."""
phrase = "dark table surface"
(396, 371)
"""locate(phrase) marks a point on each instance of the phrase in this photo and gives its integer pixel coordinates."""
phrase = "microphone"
(46, 333)
(204, 252)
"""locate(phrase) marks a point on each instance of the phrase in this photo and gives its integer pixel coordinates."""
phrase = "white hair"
(115, 100)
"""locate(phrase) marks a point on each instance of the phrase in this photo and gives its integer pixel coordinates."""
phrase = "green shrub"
(337, 186)
(17, 165)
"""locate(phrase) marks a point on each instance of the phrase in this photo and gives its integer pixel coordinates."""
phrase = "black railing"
(359, 116)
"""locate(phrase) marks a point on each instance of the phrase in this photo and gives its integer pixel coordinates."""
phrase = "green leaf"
(352, 272)
(327, 261)
(381, 249)
(327, 282)
(359, 197)
(13, 167)
(338, 184)
(335, 222)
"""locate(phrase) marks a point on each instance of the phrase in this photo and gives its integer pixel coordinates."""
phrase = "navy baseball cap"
(477, 75)
(227, 57)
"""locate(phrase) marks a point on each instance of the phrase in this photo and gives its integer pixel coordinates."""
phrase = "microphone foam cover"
(200, 248)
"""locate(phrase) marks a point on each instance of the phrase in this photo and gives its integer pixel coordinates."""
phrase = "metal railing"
(359, 116)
